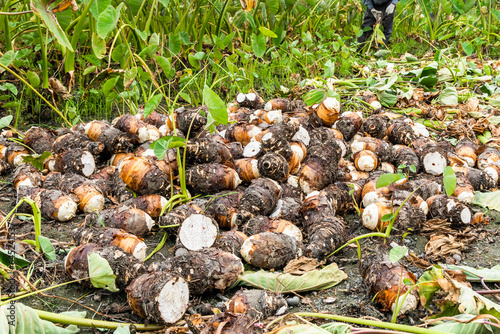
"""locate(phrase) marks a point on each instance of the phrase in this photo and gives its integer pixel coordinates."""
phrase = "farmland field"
(249, 167)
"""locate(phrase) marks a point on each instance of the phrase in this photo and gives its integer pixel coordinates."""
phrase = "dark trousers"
(369, 21)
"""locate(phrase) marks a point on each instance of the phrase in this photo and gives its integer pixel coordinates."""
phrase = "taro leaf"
(449, 180)
(428, 285)
(397, 253)
(129, 77)
(258, 44)
(216, 107)
(303, 329)
(464, 325)
(314, 96)
(273, 5)
(36, 160)
(387, 179)
(28, 321)
(161, 145)
(33, 78)
(152, 104)
(385, 84)
(98, 46)
(387, 217)
(429, 70)
(329, 68)
(387, 98)
(98, 6)
(7, 58)
(41, 9)
(101, 274)
(6, 258)
(467, 47)
(474, 275)
(429, 81)
(489, 200)
(166, 66)
(268, 33)
(107, 20)
(319, 279)
(47, 248)
(195, 59)
(382, 53)
(174, 43)
(5, 121)
(448, 96)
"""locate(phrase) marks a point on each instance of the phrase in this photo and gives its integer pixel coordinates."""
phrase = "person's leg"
(368, 23)
(387, 23)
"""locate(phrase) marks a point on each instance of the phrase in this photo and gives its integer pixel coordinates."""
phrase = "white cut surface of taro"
(434, 163)
(197, 232)
(88, 164)
(173, 300)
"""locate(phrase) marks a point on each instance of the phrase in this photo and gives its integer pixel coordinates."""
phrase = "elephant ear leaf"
(41, 9)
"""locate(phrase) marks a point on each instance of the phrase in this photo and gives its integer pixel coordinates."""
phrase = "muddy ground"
(349, 298)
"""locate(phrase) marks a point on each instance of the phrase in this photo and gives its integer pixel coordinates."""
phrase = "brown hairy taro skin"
(75, 161)
(191, 119)
(404, 155)
(39, 139)
(158, 297)
(205, 270)
(231, 323)
(211, 178)
(444, 207)
(376, 126)
(349, 124)
(27, 175)
(269, 250)
(400, 132)
(479, 179)
(143, 176)
(132, 220)
(230, 241)
(384, 279)
(325, 235)
(151, 204)
(339, 197)
(201, 151)
(257, 304)
(323, 134)
(70, 141)
(261, 196)
(114, 140)
(223, 207)
(179, 214)
(4, 167)
(125, 267)
(315, 207)
(273, 166)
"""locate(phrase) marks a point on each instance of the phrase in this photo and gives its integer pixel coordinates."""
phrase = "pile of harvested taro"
(267, 201)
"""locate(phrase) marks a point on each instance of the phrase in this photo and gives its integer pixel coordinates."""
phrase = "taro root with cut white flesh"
(143, 176)
(494, 172)
(129, 242)
(90, 197)
(489, 156)
(270, 117)
(114, 140)
(261, 196)
(75, 161)
(382, 149)
(125, 267)
(257, 304)
(159, 297)
(273, 166)
(261, 224)
(443, 207)
(250, 100)
(27, 175)
(210, 178)
(385, 279)
(433, 158)
(372, 215)
(151, 204)
(196, 232)
(247, 168)
(53, 204)
(204, 270)
(132, 220)
(404, 155)
(140, 131)
(328, 111)
(269, 250)
(14, 154)
(365, 160)
(466, 149)
(223, 207)
(464, 191)
(242, 133)
(179, 214)
(285, 105)
(39, 139)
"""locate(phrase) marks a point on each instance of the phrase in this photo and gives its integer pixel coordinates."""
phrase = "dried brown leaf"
(302, 265)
